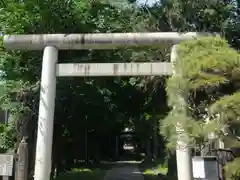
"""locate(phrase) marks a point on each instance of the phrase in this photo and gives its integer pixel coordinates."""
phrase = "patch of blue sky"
(148, 2)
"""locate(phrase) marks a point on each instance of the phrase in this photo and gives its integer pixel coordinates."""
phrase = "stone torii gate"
(52, 43)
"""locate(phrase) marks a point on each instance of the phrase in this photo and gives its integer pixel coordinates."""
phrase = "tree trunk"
(86, 145)
(172, 166)
(155, 139)
(148, 157)
(116, 147)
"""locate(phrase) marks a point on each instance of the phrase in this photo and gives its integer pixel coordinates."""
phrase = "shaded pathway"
(124, 171)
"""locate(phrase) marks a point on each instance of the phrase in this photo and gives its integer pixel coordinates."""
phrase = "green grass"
(154, 171)
(86, 172)
(159, 169)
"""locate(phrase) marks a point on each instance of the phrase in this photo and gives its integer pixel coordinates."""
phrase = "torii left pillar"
(43, 161)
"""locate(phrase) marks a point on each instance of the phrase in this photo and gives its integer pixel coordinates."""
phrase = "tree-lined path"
(92, 113)
(124, 171)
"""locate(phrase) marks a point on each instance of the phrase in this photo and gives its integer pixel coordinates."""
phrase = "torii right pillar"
(183, 152)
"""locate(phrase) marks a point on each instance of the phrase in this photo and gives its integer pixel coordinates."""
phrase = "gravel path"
(124, 172)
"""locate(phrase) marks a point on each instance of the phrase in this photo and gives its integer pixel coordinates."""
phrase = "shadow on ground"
(97, 171)
(89, 172)
(149, 171)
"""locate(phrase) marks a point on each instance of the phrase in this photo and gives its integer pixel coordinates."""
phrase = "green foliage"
(206, 85)
(208, 63)
(104, 106)
(232, 170)
(203, 65)
(198, 15)
(98, 106)
(8, 90)
(7, 137)
(228, 107)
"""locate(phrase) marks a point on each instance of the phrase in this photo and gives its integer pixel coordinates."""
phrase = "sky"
(149, 2)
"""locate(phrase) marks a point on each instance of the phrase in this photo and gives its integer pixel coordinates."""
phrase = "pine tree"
(209, 80)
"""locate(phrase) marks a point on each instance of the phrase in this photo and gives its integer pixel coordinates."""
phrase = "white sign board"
(198, 168)
(6, 164)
